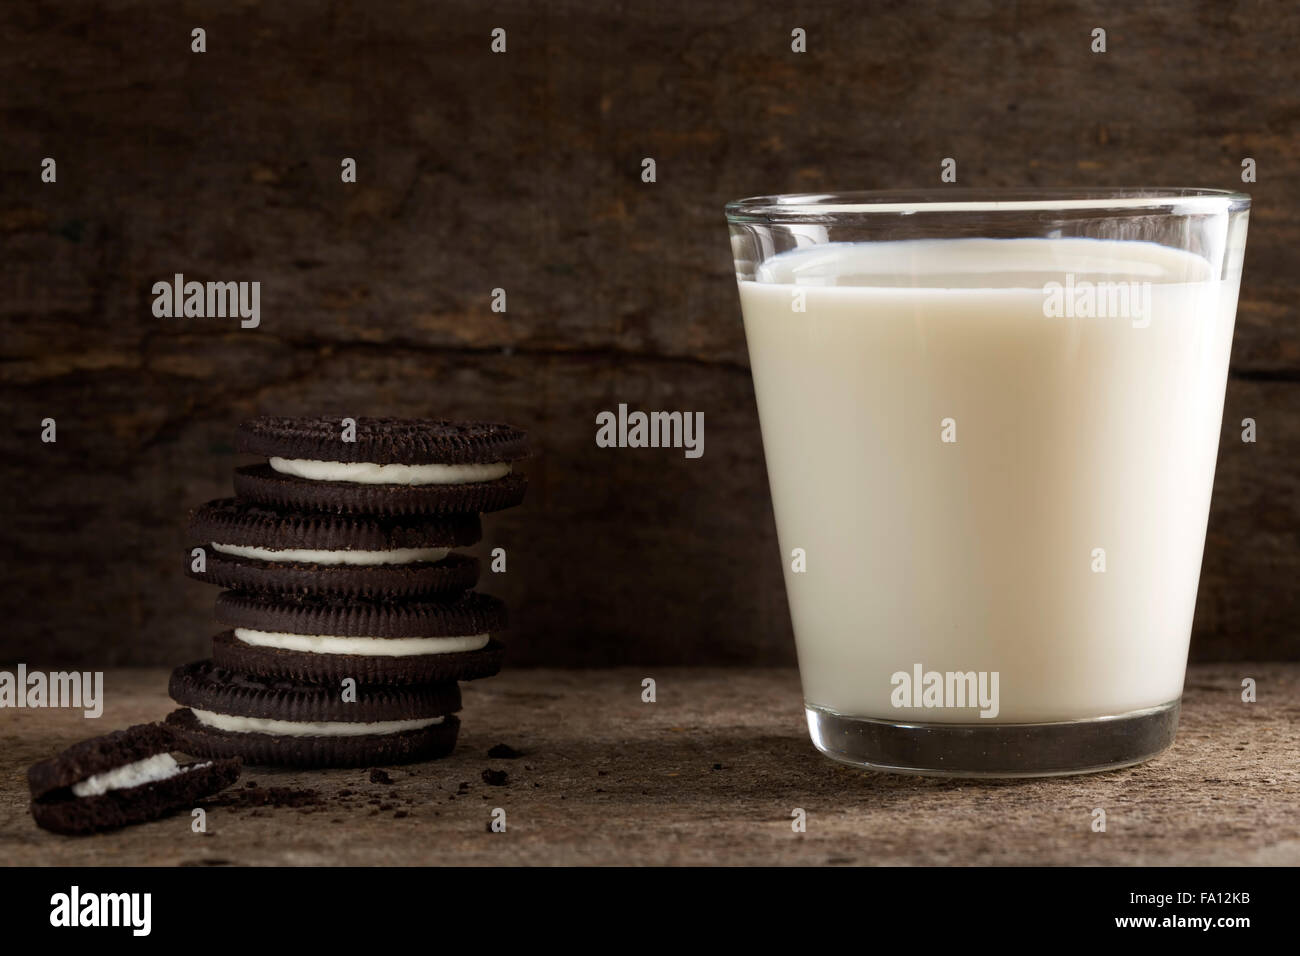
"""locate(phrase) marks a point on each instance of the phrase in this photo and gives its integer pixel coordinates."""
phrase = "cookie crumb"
(504, 752)
(495, 778)
(379, 776)
(268, 797)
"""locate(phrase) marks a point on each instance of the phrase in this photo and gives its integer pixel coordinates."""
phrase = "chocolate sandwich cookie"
(252, 547)
(268, 720)
(324, 640)
(393, 467)
(128, 776)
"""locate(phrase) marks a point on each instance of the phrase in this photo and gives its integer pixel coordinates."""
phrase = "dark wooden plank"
(521, 171)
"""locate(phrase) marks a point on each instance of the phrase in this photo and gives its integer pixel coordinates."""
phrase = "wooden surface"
(522, 171)
(709, 774)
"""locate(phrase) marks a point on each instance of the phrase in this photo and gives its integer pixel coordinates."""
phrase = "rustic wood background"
(522, 171)
(707, 776)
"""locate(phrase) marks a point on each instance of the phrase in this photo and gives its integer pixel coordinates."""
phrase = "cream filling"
(364, 646)
(310, 556)
(307, 728)
(371, 473)
(135, 774)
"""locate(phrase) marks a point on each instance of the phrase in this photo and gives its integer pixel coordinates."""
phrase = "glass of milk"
(990, 421)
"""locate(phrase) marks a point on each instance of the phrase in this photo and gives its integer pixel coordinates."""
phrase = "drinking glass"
(990, 420)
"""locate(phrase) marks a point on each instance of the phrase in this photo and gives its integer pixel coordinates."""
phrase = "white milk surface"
(1073, 434)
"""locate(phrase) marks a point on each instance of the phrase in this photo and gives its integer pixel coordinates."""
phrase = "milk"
(1057, 541)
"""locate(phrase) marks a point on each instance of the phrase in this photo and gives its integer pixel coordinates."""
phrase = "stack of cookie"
(350, 619)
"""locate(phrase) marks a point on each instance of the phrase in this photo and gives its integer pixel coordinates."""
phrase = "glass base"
(994, 750)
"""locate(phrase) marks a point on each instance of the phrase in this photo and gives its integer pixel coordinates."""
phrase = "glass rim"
(818, 207)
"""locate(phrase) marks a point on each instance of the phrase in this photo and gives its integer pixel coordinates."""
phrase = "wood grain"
(521, 171)
(708, 775)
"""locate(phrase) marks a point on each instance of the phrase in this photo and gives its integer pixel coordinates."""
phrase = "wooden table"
(707, 775)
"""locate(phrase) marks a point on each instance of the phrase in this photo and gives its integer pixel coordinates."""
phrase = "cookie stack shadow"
(348, 618)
